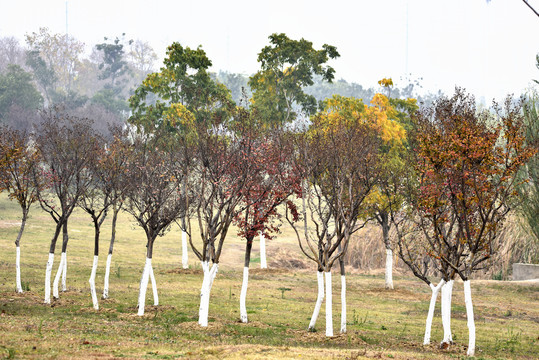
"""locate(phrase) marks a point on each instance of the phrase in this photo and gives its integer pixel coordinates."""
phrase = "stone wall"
(525, 271)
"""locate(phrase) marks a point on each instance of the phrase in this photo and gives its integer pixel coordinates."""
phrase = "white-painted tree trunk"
(185, 259)
(329, 305)
(205, 279)
(207, 283)
(243, 295)
(92, 283)
(18, 270)
(154, 287)
(470, 317)
(263, 263)
(48, 274)
(59, 272)
(447, 290)
(319, 299)
(107, 274)
(389, 269)
(143, 286)
(343, 304)
(432, 306)
(64, 273)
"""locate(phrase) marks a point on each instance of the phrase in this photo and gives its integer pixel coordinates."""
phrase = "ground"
(381, 323)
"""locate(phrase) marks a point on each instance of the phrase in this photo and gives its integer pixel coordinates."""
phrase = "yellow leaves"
(386, 82)
(348, 111)
(384, 115)
(151, 81)
(177, 114)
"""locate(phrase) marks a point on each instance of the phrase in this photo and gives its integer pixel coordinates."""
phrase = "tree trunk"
(48, 274)
(92, 283)
(319, 299)
(343, 298)
(154, 287)
(62, 268)
(50, 262)
(94, 265)
(18, 253)
(389, 252)
(185, 259)
(59, 272)
(143, 286)
(147, 273)
(430, 316)
(245, 283)
(107, 275)
(329, 305)
(470, 317)
(263, 264)
(207, 283)
(446, 313)
(111, 249)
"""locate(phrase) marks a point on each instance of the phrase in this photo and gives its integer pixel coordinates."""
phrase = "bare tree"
(18, 161)
(338, 158)
(63, 143)
(153, 197)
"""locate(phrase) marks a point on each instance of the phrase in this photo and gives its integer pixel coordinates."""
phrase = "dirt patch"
(184, 271)
(283, 259)
(271, 270)
(397, 293)
(4, 224)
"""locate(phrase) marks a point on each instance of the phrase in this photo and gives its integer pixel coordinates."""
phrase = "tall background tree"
(59, 55)
(17, 93)
(286, 67)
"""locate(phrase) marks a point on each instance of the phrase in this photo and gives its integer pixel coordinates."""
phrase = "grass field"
(382, 324)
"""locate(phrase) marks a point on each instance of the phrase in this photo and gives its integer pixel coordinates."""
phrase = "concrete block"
(525, 271)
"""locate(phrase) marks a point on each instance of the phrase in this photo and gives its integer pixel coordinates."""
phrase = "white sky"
(487, 48)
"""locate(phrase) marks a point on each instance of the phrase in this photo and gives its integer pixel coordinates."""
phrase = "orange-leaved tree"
(466, 161)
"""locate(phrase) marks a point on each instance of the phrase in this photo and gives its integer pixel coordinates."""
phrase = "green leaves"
(16, 88)
(183, 80)
(287, 66)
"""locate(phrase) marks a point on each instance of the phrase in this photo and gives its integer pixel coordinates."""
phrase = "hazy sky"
(488, 48)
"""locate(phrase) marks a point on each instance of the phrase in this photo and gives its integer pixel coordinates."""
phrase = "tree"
(184, 81)
(64, 143)
(113, 69)
(16, 89)
(153, 197)
(105, 189)
(528, 186)
(18, 161)
(141, 57)
(11, 52)
(414, 250)
(43, 73)
(270, 183)
(386, 193)
(339, 163)
(221, 171)
(287, 66)
(60, 53)
(179, 99)
(114, 166)
(466, 168)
